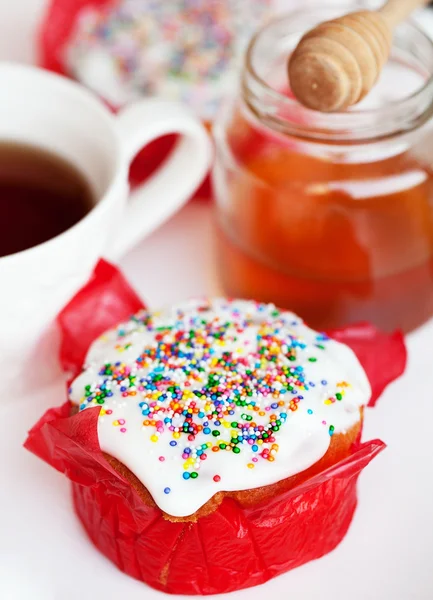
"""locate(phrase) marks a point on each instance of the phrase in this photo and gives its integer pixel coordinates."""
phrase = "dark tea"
(41, 196)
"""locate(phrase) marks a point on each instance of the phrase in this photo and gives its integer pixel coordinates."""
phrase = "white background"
(388, 552)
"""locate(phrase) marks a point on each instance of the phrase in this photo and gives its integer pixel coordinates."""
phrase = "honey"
(331, 217)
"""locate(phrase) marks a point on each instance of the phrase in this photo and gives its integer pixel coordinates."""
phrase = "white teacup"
(55, 114)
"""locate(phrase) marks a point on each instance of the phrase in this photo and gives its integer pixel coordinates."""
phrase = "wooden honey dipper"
(337, 63)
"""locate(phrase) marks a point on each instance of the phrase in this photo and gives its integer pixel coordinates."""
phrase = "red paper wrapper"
(232, 547)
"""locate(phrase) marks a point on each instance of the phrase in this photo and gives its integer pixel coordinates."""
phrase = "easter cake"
(220, 398)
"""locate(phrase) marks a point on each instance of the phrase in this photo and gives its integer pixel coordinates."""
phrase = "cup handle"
(175, 180)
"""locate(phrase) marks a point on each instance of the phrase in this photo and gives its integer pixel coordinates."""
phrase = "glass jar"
(329, 215)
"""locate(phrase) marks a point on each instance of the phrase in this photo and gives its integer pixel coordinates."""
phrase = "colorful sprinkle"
(199, 43)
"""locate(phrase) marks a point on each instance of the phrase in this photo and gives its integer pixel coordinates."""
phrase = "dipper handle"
(337, 63)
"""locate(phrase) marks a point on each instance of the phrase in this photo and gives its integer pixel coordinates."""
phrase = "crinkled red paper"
(233, 547)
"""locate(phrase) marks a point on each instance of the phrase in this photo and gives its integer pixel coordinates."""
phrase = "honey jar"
(329, 215)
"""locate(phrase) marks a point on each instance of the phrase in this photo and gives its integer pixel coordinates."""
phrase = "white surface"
(64, 118)
(388, 552)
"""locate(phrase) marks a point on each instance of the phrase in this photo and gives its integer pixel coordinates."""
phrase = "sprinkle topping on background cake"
(217, 395)
(184, 50)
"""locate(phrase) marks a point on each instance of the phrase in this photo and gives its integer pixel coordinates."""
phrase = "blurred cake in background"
(186, 50)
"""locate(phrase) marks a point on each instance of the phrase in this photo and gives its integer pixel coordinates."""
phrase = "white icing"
(302, 439)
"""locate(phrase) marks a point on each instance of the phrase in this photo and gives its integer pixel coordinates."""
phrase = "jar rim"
(392, 119)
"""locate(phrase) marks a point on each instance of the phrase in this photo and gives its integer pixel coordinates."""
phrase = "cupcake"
(125, 50)
(183, 50)
(214, 445)
(219, 398)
